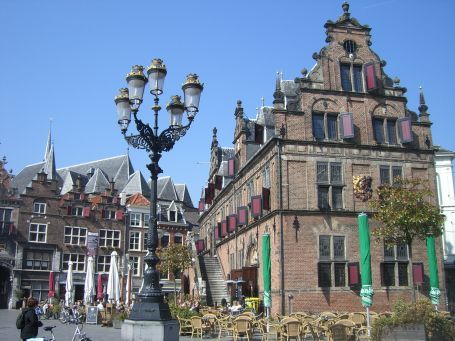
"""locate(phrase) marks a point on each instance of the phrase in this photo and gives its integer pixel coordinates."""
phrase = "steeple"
(278, 101)
(49, 167)
(49, 142)
(423, 108)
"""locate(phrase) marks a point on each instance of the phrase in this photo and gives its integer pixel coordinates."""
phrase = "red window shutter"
(223, 228)
(103, 214)
(82, 196)
(266, 198)
(198, 246)
(258, 133)
(405, 129)
(370, 75)
(231, 168)
(119, 215)
(242, 214)
(218, 182)
(220, 232)
(212, 190)
(256, 206)
(115, 200)
(86, 212)
(347, 125)
(69, 210)
(354, 275)
(10, 228)
(417, 273)
(232, 222)
(208, 197)
(201, 205)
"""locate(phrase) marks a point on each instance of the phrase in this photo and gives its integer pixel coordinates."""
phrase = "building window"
(134, 264)
(389, 175)
(144, 245)
(77, 259)
(172, 216)
(135, 240)
(394, 269)
(325, 126)
(5, 220)
(350, 46)
(232, 261)
(109, 214)
(146, 220)
(36, 260)
(77, 211)
(329, 181)
(385, 130)
(75, 235)
(135, 219)
(110, 238)
(165, 240)
(37, 233)
(332, 261)
(104, 263)
(38, 289)
(39, 207)
(266, 177)
(351, 77)
(178, 238)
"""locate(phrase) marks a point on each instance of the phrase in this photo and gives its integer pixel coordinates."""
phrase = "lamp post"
(149, 304)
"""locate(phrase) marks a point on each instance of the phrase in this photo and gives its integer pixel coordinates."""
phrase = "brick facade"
(287, 165)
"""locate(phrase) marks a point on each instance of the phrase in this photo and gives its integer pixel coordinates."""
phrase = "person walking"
(31, 321)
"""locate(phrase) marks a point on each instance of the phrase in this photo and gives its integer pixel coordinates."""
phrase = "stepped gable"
(26, 175)
(70, 180)
(97, 183)
(136, 184)
(137, 199)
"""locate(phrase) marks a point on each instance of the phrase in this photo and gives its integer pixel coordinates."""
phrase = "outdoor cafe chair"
(290, 328)
(210, 321)
(269, 330)
(198, 327)
(225, 326)
(342, 330)
(358, 318)
(184, 326)
(243, 327)
(308, 330)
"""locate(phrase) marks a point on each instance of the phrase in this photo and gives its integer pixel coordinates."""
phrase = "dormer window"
(173, 216)
(351, 77)
(39, 207)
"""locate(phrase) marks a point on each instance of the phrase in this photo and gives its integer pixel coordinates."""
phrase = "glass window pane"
(337, 197)
(340, 274)
(323, 197)
(392, 132)
(332, 129)
(357, 72)
(402, 274)
(402, 251)
(318, 126)
(335, 173)
(378, 129)
(322, 172)
(324, 247)
(389, 251)
(345, 70)
(324, 275)
(388, 274)
(338, 247)
(396, 173)
(384, 175)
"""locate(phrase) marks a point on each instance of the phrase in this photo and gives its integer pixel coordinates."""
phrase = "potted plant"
(118, 317)
(56, 308)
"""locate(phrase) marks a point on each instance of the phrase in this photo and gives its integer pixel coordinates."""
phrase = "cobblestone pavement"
(64, 332)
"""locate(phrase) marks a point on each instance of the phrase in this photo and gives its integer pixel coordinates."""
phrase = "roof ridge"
(93, 161)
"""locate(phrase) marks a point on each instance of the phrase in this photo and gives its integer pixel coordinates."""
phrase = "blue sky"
(66, 60)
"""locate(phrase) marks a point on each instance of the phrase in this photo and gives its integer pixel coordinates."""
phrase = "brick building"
(290, 170)
(67, 214)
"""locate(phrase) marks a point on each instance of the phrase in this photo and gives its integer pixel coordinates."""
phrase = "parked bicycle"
(68, 315)
(79, 334)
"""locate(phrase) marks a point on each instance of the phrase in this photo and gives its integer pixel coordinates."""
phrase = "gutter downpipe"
(280, 176)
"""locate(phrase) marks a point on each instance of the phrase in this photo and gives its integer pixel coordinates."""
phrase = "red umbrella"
(99, 293)
(51, 292)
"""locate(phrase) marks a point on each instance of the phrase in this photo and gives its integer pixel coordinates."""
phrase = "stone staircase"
(212, 274)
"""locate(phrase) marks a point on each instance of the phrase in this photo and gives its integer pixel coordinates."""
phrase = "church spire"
(423, 108)
(49, 157)
(49, 141)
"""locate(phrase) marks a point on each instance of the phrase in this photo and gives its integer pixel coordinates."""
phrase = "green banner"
(266, 270)
(433, 269)
(365, 261)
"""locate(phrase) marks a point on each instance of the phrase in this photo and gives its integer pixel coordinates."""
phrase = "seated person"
(236, 307)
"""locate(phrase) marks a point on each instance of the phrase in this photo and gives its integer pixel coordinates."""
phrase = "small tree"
(175, 259)
(406, 211)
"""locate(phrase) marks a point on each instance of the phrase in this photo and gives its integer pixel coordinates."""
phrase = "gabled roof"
(136, 184)
(166, 190)
(183, 194)
(26, 175)
(137, 200)
(97, 183)
(70, 180)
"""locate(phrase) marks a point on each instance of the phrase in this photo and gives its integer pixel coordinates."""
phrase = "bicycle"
(78, 335)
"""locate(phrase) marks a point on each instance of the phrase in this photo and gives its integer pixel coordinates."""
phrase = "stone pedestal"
(150, 330)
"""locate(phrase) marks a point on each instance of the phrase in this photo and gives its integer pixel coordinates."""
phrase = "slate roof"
(136, 184)
(26, 175)
(183, 194)
(97, 183)
(166, 189)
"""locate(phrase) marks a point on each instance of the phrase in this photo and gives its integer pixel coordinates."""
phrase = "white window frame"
(77, 259)
(106, 263)
(135, 263)
(106, 241)
(109, 214)
(137, 220)
(144, 241)
(73, 235)
(134, 236)
(37, 232)
(77, 211)
(39, 207)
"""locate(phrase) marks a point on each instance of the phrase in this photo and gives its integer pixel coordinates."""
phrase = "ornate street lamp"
(149, 304)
